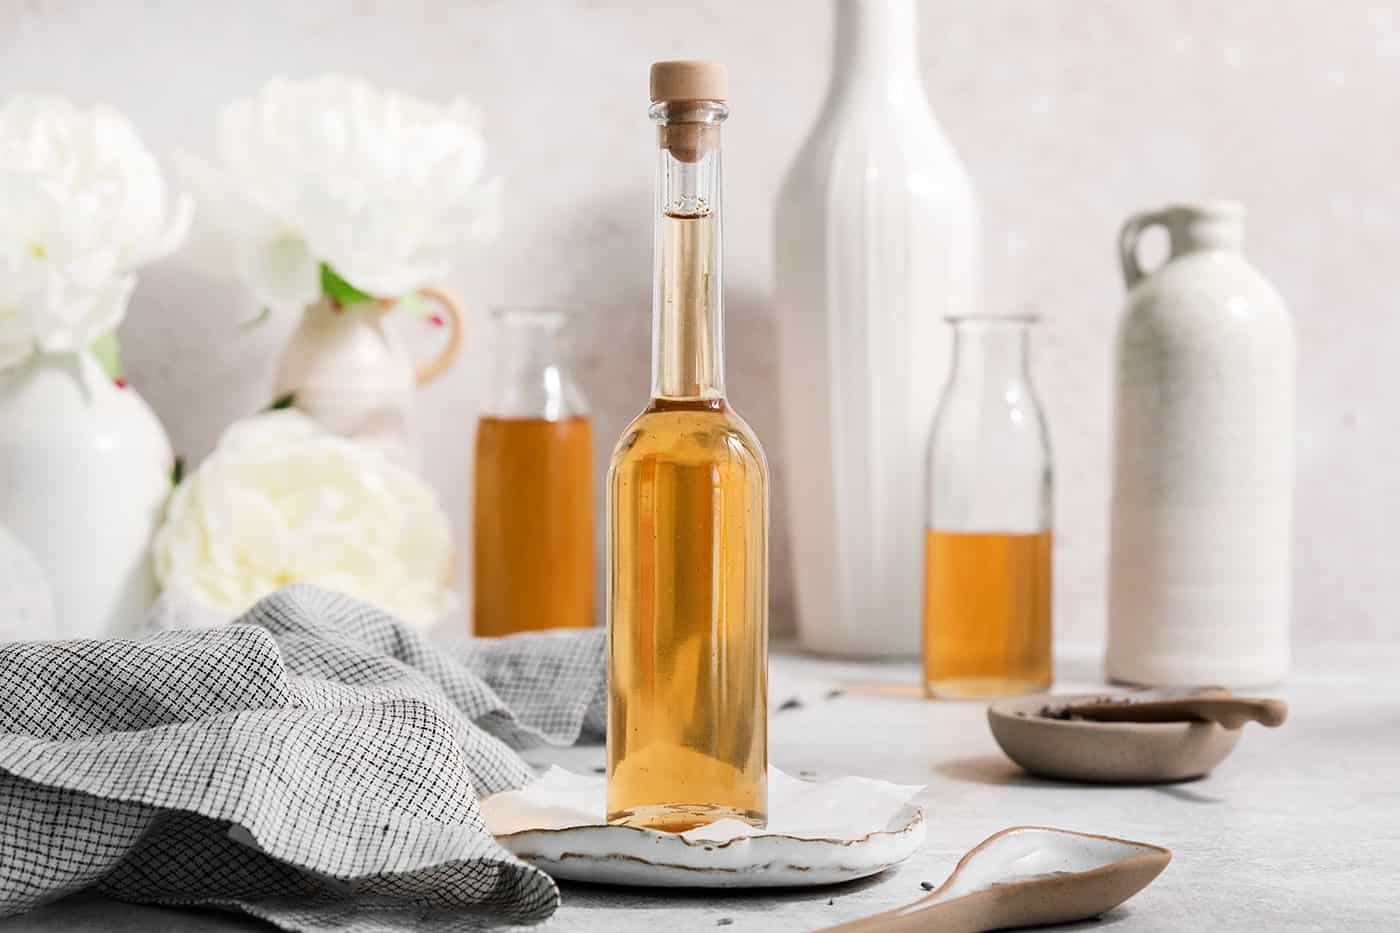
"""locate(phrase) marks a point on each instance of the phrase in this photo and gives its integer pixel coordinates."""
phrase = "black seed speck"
(723, 922)
(831, 902)
(833, 694)
(926, 885)
(790, 703)
(600, 770)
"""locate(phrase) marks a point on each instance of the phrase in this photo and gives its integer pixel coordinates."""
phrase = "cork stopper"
(689, 80)
(688, 99)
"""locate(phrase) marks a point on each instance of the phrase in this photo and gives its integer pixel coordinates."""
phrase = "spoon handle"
(921, 916)
(1230, 712)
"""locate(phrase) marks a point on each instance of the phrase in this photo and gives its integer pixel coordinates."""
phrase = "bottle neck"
(991, 354)
(531, 378)
(687, 303)
(1205, 226)
(875, 42)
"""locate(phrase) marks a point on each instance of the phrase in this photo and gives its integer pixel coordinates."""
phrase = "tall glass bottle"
(687, 519)
(533, 511)
(987, 558)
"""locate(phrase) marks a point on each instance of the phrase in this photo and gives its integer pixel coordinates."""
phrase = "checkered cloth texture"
(316, 764)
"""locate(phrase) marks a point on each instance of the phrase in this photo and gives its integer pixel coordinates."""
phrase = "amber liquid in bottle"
(687, 723)
(687, 549)
(533, 529)
(987, 609)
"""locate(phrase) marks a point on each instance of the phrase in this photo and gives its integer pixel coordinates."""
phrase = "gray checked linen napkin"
(315, 764)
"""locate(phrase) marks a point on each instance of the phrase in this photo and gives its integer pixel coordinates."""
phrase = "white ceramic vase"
(1199, 568)
(85, 470)
(875, 244)
(348, 368)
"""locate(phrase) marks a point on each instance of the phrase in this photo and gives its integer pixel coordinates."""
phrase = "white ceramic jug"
(349, 370)
(1199, 567)
(85, 469)
(875, 244)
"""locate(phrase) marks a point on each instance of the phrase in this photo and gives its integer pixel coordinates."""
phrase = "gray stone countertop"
(1298, 830)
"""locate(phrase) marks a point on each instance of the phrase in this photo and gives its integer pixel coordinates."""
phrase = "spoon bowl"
(1027, 876)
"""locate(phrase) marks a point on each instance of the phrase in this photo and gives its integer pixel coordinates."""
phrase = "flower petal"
(280, 271)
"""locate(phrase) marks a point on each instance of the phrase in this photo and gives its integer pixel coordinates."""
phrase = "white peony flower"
(384, 189)
(281, 501)
(84, 206)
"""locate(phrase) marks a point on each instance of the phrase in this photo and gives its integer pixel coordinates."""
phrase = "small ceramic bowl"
(1105, 752)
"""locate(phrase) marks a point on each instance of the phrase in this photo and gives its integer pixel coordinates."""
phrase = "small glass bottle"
(533, 512)
(687, 520)
(987, 560)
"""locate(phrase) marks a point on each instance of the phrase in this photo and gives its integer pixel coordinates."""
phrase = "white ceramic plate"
(540, 825)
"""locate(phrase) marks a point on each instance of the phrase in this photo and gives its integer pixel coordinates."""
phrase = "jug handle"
(1128, 243)
(427, 371)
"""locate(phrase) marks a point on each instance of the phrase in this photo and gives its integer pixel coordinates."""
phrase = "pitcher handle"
(429, 370)
(1128, 243)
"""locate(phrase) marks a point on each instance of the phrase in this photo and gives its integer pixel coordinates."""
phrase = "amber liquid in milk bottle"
(533, 528)
(687, 521)
(987, 603)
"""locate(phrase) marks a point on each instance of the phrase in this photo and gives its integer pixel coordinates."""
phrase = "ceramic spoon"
(1026, 876)
(1229, 711)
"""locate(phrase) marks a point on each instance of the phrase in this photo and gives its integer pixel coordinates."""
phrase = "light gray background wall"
(1069, 114)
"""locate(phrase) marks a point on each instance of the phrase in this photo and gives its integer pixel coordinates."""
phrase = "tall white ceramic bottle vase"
(84, 474)
(875, 245)
(1199, 575)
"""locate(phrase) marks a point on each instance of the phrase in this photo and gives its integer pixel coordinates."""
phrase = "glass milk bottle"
(687, 519)
(533, 511)
(987, 558)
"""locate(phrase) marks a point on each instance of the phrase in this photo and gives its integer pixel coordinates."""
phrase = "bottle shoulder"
(1203, 283)
(856, 132)
(690, 435)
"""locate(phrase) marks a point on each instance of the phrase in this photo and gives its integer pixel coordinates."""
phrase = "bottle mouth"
(705, 112)
(1207, 209)
(976, 317)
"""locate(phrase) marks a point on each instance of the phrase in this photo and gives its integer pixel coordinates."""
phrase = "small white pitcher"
(351, 372)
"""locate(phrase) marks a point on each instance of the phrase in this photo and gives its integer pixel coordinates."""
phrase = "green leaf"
(283, 402)
(177, 471)
(108, 354)
(340, 291)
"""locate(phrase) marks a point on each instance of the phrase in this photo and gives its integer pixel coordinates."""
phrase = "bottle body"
(1201, 523)
(875, 241)
(988, 543)
(688, 619)
(532, 536)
